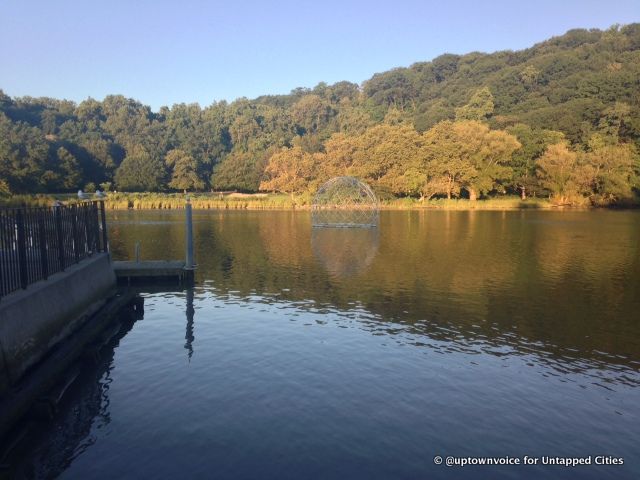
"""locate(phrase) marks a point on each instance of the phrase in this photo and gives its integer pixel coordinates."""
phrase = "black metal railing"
(38, 242)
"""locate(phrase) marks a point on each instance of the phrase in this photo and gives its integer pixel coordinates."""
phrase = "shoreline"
(235, 201)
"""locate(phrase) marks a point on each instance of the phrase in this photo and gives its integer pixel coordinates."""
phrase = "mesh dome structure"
(345, 202)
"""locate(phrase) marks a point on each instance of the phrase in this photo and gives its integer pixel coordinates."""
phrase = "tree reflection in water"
(563, 286)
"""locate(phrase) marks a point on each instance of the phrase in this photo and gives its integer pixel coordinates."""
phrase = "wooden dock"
(156, 271)
(152, 271)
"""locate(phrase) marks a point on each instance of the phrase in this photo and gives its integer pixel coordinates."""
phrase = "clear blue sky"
(163, 52)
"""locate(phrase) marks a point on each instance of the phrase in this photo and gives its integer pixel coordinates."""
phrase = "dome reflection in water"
(345, 252)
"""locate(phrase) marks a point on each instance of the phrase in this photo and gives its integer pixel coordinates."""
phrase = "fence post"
(74, 232)
(44, 260)
(103, 225)
(82, 233)
(31, 238)
(87, 228)
(22, 249)
(58, 216)
(95, 227)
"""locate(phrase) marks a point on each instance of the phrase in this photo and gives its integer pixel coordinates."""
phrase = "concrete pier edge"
(43, 376)
(43, 327)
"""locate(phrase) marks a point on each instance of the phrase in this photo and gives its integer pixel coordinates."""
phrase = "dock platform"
(152, 271)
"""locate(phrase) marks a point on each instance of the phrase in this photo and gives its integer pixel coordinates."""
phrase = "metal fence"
(38, 242)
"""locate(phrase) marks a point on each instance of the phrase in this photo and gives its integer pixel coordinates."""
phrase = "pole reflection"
(190, 312)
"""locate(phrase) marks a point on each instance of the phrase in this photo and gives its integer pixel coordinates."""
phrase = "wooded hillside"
(561, 118)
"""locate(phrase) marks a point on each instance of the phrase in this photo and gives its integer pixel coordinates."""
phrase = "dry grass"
(262, 201)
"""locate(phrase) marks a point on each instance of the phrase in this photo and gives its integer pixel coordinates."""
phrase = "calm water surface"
(304, 354)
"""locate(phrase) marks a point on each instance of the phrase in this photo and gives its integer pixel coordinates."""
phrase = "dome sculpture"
(345, 202)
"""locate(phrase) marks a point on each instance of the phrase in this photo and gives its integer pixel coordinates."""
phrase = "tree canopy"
(475, 124)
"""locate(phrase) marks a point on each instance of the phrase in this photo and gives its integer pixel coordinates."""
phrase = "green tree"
(560, 171)
(446, 168)
(581, 84)
(534, 142)
(24, 157)
(71, 174)
(311, 114)
(530, 75)
(352, 118)
(240, 170)
(467, 155)
(480, 106)
(382, 156)
(139, 171)
(613, 120)
(615, 169)
(184, 175)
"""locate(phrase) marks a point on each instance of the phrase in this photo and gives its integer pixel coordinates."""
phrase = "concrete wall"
(34, 320)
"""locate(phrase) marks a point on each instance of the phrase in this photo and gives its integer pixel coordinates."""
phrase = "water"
(307, 353)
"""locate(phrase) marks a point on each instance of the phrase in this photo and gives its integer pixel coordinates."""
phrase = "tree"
(559, 172)
(240, 170)
(244, 129)
(616, 171)
(24, 157)
(613, 120)
(445, 167)
(582, 84)
(382, 156)
(184, 174)
(467, 155)
(352, 118)
(311, 113)
(5, 191)
(99, 153)
(290, 170)
(480, 106)
(529, 75)
(70, 170)
(139, 171)
(534, 142)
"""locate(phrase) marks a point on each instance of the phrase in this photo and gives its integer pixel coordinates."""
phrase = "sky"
(162, 52)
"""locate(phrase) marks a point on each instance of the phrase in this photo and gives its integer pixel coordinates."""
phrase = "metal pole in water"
(137, 251)
(189, 235)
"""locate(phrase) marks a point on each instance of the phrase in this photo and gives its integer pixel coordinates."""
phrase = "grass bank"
(240, 201)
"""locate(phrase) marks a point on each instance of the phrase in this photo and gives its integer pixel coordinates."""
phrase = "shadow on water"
(46, 448)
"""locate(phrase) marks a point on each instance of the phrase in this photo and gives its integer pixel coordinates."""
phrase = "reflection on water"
(344, 252)
(565, 284)
(362, 354)
(189, 336)
(86, 409)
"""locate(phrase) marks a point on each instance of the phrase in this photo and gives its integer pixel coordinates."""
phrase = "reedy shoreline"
(212, 201)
